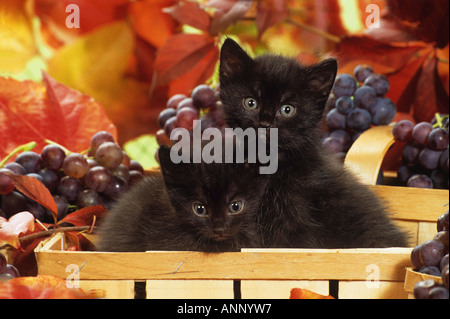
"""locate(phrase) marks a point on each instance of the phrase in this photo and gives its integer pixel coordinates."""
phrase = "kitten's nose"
(265, 124)
(219, 230)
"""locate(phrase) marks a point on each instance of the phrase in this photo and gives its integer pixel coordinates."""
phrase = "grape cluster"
(425, 153)
(431, 257)
(182, 110)
(7, 271)
(357, 102)
(74, 180)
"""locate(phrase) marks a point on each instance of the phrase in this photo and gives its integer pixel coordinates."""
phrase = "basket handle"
(365, 156)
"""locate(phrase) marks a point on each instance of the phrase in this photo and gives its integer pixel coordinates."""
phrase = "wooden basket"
(264, 273)
(413, 277)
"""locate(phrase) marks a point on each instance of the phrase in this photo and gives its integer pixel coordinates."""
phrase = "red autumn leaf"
(84, 216)
(298, 293)
(180, 54)
(188, 12)
(31, 111)
(270, 12)
(226, 13)
(34, 189)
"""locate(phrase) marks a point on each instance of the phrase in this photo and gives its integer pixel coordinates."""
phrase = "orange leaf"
(180, 54)
(298, 293)
(270, 12)
(84, 216)
(190, 13)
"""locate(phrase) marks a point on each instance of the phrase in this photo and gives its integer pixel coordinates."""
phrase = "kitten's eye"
(236, 207)
(199, 209)
(287, 110)
(250, 103)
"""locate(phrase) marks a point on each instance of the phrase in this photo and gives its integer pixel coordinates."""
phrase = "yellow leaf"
(17, 44)
(96, 61)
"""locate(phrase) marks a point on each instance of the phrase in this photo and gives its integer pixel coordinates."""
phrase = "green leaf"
(143, 150)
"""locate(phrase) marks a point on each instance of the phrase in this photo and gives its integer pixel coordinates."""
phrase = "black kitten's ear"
(320, 78)
(168, 168)
(233, 60)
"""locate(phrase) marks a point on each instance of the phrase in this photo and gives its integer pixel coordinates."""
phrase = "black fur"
(311, 201)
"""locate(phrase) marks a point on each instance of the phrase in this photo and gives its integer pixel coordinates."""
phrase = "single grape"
(362, 72)
(49, 178)
(438, 139)
(421, 131)
(136, 166)
(98, 178)
(383, 111)
(420, 181)
(411, 152)
(164, 115)
(6, 182)
(186, 116)
(31, 161)
(345, 104)
(422, 288)
(443, 263)
(170, 125)
(98, 139)
(37, 176)
(117, 187)
(445, 272)
(402, 130)
(109, 155)
(75, 165)
(52, 157)
(335, 120)
(203, 96)
(428, 158)
(135, 177)
(16, 168)
(63, 206)
(12, 270)
(439, 179)
(378, 82)
(442, 237)
(333, 144)
(39, 212)
(438, 293)
(443, 161)
(359, 119)
(126, 159)
(431, 253)
(404, 172)
(344, 85)
(13, 203)
(344, 137)
(415, 258)
(365, 97)
(442, 222)
(69, 188)
(430, 270)
(121, 171)
(88, 197)
(188, 102)
(175, 100)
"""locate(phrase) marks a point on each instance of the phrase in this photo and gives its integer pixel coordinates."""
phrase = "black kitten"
(311, 201)
(203, 207)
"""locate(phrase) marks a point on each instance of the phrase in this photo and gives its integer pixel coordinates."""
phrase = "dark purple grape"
(31, 161)
(430, 270)
(358, 119)
(69, 188)
(442, 222)
(404, 173)
(49, 178)
(13, 203)
(170, 125)
(402, 130)
(420, 181)
(422, 288)
(121, 171)
(383, 111)
(63, 206)
(75, 165)
(443, 161)
(37, 176)
(333, 144)
(98, 139)
(186, 116)
(445, 271)
(136, 166)
(203, 96)
(135, 176)
(415, 258)
(336, 120)
(428, 158)
(438, 139)
(6, 182)
(365, 97)
(109, 155)
(88, 197)
(379, 83)
(344, 85)
(39, 212)
(443, 263)
(164, 115)
(439, 179)
(116, 188)
(98, 178)
(438, 293)
(344, 137)
(431, 253)
(175, 100)
(421, 132)
(411, 152)
(3, 263)
(53, 157)
(12, 270)
(188, 102)
(345, 104)
(442, 237)
(16, 168)
(362, 72)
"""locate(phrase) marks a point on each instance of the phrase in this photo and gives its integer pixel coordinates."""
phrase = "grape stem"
(53, 231)
(18, 149)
